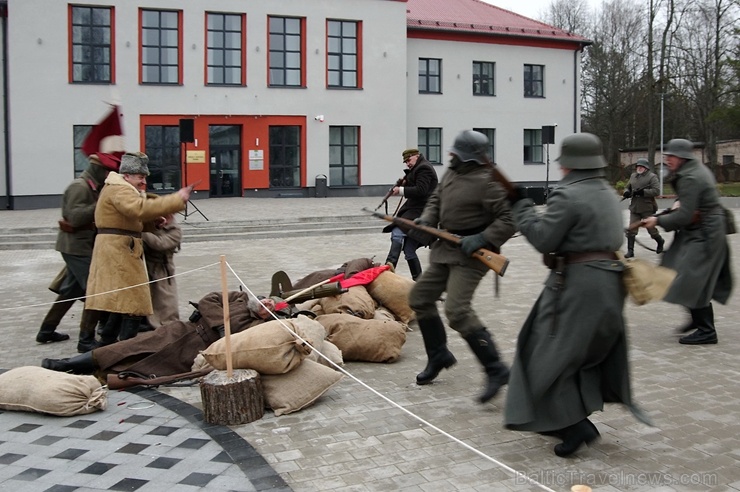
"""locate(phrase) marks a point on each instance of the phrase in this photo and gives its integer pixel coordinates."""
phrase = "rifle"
(127, 379)
(494, 261)
(388, 195)
(632, 194)
(636, 225)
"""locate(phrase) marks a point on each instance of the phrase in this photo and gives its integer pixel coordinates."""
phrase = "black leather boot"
(705, 333)
(661, 242)
(110, 330)
(691, 325)
(88, 323)
(129, 327)
(394, 253)
(48, 334)
(584, 432)
(498, 374)
(414, 268)
(630, 247)
(435, 344)
(80, 364)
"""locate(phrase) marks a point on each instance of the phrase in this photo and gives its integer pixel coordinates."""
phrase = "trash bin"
(321, 188)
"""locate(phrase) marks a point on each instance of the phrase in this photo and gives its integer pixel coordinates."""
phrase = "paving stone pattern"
(351, 439)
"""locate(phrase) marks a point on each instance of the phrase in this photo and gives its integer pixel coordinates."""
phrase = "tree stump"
(232, 401)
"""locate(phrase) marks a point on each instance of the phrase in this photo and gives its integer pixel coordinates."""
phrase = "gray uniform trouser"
(460, 283)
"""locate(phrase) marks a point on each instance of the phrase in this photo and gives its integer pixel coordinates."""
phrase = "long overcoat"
(420, 182)
(571, 354)
(649, 184)
(78, 208)
(172, 348)
(160, 247)
(699, 252)
(118, 260)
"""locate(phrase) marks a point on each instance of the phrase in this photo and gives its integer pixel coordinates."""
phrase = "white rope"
(511, 470)
(110, 291)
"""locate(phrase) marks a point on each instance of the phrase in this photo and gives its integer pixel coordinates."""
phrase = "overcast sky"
(529, 8)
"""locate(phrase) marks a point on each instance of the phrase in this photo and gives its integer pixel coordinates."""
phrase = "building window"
(160, 47)
(429, 141)
(285, 156)
(162, 145)
(483, 74)
(491, 134)
(91, 48)
(343, 41)
(225, 49)
(533, 146)
(430, 76)
(534, 81)
(79, 134)
(344, 155)
(286, 52)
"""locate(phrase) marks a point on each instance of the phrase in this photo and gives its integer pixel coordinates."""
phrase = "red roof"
(477, 17)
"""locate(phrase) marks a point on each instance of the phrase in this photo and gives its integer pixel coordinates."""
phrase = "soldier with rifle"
(415, 187)
(643, 187)
(469, 203)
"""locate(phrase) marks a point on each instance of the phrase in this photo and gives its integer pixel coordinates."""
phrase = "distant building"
(284, 98)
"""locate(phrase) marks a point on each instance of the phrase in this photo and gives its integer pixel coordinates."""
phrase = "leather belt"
(118, 232)
(589, 256)
(467, 232)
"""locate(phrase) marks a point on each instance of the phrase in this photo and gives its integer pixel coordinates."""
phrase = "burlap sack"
(315, 334)
(645, 281)
(268, 348)
(288, 393)
(392, 291)
(364, 340)
(384, 314)
(356, 301)
(35, 389)
(200, 364)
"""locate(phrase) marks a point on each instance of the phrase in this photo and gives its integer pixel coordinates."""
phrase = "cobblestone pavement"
(351, 439)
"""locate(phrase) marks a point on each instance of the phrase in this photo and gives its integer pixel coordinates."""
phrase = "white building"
(279, 94)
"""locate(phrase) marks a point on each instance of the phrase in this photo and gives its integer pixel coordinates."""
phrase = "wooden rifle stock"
(384, 201)
(494, 261)
(127, 380)
(636, 225)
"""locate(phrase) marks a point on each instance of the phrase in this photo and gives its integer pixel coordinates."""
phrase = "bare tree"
(570, 15)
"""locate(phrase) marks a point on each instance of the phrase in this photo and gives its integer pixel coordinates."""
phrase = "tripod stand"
(185, 213)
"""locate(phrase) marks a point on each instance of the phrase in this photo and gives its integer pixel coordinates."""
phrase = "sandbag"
(364, 340)
(392, 292)
(356, 301)
(299, 388)
(268, 348)
(645, 281)
(35, 389)
(315, 334)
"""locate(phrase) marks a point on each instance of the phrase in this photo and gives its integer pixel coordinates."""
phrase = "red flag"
(106, 140)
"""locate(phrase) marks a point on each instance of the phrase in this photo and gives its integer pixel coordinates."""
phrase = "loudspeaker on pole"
(187, 127)
(548, 134)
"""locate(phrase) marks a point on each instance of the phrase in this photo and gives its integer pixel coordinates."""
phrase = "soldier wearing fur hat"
(469, 203)
(75, 241)
(417, 186)
(571, 354)
(642, 188)
(699, 252)
(124, 210)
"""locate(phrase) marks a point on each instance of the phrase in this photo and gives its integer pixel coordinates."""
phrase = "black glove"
(420, 222)
(471, 244)
(515, 195)
(627, 194)
(639, 193)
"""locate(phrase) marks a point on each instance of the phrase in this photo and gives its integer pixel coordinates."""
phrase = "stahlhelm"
(680, 148)
(581, 151)
(471, 146)
(643, 163)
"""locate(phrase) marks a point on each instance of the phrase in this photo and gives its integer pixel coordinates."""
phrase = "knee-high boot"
(496, 371)
(705, 332)
(660, 243)
(129, 327)
(394, 253)
(110, 330)
(88, 323)
(630, 247)
(435, 343)
(79, 364)
(414, 268)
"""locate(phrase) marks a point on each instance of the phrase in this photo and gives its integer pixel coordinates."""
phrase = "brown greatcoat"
(159, 249)
(172, 348)
(118, 260)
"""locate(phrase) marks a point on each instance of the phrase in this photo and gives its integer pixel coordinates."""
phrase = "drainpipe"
(6, 101)
(576, 80)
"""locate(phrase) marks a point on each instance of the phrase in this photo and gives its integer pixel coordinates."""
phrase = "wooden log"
(234, 400)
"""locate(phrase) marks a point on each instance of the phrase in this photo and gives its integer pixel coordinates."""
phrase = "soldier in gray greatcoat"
(469, 203)
(642, 188)
(75, 242)
(571, 354)
(699, 252)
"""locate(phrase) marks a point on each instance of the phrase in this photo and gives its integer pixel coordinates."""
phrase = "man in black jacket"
(416, 187)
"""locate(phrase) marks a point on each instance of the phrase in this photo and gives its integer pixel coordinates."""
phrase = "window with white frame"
(483, 78)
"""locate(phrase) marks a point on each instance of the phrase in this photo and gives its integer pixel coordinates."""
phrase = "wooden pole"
(307, 289)
(227, 320)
